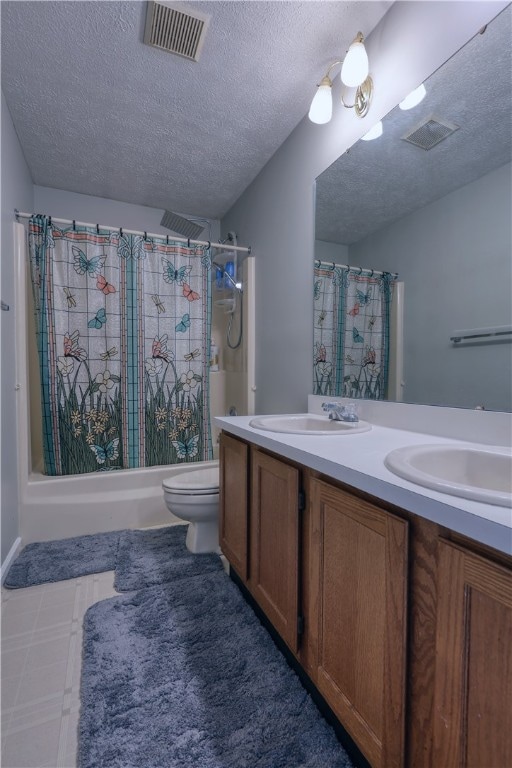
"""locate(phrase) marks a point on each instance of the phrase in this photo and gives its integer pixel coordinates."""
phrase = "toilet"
(193, 495)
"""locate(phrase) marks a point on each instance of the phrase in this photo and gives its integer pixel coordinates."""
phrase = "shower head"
(180, 225)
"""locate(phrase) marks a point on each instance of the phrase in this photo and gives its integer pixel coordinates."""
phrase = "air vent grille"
(430, 133)
(180, 225)
(175, 30)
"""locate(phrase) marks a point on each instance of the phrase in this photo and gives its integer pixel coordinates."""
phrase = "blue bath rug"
(140, 558)
(48, 561)
(184, 676)
(154, 556)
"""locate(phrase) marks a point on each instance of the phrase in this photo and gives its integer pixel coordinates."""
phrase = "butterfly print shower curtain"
(351, 332)
(123, 330)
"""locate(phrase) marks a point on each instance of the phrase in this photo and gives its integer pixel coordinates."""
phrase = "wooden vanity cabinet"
(334, 568)
(274, 542)
(259, 531)
(338, 583)
(234, 503)
(357, 618)
(473, 673)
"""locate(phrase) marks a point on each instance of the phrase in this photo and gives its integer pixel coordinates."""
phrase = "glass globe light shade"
(355, 65)
(414, 98)
(373, 133)
(320, 110)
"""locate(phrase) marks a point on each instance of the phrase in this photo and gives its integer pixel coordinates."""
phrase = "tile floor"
(40, 669)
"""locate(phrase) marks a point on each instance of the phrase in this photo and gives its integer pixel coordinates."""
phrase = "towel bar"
(482, 333)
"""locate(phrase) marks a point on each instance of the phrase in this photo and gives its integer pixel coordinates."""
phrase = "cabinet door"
(274, 573)
(358, 579)
(233, 499)
(473, 678)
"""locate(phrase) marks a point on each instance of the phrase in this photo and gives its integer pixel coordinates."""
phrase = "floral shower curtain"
(351, 332)
(123, 330)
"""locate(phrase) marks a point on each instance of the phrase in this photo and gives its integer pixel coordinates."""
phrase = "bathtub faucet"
(339, 412)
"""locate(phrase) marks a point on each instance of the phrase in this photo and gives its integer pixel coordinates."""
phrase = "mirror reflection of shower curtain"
(123, 335)
(351, 332)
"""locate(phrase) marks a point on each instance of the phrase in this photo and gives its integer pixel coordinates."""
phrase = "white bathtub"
(75, 505)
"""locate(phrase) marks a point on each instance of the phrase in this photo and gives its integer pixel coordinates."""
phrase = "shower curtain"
(351, 332)
(123, 330)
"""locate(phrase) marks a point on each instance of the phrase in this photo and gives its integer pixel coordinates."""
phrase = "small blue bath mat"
(184, 676)
(154, 556)
(48, 561)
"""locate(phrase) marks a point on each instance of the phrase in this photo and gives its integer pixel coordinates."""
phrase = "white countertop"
(358, 461)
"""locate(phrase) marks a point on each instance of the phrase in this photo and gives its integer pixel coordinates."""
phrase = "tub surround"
(358, 460)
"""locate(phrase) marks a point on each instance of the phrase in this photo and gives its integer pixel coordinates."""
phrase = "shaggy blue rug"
(140, 558)
(184, 676)
(47, 561)
(155, 556)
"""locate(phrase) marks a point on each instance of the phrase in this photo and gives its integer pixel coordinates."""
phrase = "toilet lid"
(198, 480)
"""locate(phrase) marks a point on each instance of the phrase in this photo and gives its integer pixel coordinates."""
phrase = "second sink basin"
(308, 424)
(479, 473)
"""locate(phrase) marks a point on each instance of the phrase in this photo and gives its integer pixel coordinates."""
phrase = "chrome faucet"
(339, 412)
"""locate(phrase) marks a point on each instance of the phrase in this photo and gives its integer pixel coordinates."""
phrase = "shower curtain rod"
(373, 272)
(186, 240)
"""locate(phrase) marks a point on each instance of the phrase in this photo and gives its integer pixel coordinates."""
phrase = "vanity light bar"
(481, 333)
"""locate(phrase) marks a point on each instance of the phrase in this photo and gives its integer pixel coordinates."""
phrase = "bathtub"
(75, 505)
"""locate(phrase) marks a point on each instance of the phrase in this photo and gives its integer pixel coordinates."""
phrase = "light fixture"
(320, 111)
(414, 98)
(373, 133)
(355, 66)
(354, 74)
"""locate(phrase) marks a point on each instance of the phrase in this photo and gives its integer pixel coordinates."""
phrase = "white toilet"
(193, 495)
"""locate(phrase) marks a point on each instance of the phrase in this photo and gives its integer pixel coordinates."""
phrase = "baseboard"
(10, 557)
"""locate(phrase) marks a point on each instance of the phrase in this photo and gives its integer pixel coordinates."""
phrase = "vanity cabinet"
(234, 502)
(473, 673)
(403, 626)
(357, 619)
(274, 542)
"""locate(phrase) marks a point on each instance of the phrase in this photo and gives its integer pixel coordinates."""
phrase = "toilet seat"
(198, 482)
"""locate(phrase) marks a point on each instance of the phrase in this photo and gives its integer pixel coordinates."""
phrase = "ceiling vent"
(430, 132)
(175, 29)
(180, 225)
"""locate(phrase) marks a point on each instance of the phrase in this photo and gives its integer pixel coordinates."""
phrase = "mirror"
(440, 218)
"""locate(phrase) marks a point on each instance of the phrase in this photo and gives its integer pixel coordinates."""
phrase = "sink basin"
(478, 473)
(309, 424)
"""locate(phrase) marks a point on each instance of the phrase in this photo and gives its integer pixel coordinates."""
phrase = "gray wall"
(454, 258)
(16, 193)
(335, 252)
(275, 215)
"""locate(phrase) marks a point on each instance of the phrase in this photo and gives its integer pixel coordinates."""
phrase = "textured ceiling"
(99, 112)
(379, 181)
